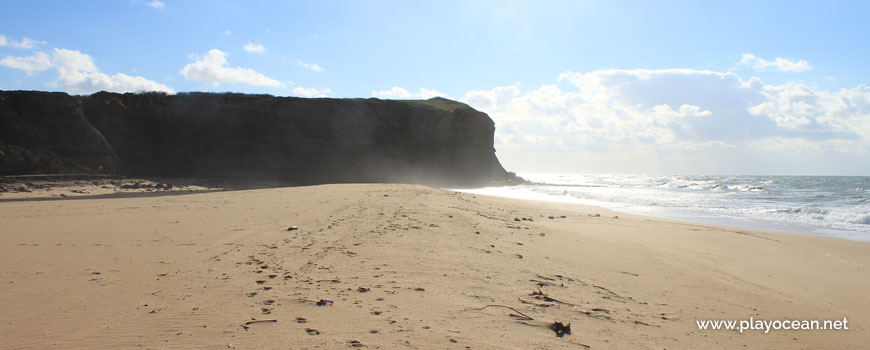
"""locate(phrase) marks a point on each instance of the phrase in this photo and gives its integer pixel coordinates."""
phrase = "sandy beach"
(405, 266)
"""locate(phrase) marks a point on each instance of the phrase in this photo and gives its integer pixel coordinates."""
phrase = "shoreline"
(405, 266)
(686, 214)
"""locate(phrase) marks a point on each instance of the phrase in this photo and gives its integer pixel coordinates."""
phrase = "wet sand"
(405, 266)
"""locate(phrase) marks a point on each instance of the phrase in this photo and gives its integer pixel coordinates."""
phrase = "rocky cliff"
(258, 137)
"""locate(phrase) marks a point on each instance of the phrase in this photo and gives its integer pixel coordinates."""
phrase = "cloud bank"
(77, 73)
(674, 120)
(213, 68)
(779, 64)
(400, 93)
(311, 92)
(25, 43)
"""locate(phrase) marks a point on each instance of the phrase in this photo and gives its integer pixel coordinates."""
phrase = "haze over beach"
(200, 174)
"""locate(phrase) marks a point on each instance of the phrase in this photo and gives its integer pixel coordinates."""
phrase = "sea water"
(837, 206)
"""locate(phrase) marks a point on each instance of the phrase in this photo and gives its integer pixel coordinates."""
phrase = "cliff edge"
(256, 137)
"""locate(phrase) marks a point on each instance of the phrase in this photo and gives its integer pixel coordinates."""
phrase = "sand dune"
(405, 266)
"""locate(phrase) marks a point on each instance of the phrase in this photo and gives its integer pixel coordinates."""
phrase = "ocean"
(836, 206)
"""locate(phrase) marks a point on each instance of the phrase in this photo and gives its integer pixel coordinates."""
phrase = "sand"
(405, 266)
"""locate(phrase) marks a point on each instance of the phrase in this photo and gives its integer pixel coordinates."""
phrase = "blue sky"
(755, 87)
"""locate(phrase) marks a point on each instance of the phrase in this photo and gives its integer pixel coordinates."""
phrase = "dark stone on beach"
(561, 329)
(292, 228)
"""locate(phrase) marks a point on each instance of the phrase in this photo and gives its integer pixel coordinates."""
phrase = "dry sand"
(406, 267)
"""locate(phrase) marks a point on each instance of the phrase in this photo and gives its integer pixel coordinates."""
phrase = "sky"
(654, 87)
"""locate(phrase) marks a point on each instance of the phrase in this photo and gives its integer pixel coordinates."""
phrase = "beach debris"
(518, 313)
(616, 216)
(539, 294)
(551, 217)
(254, 320)
(597, 215)
(517, 219)
(323, 302)
(563, 216)
(561, 329)
(292, 228)
(301, 320)
(362, 289)
(356, 343)
(542, 234)
(312, 331)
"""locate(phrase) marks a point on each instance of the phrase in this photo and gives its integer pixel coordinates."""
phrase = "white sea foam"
(832, 206)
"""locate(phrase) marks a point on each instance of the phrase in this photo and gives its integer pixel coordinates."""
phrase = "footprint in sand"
(268, 302)
(312, 331)
(301, 320)
(266, 311)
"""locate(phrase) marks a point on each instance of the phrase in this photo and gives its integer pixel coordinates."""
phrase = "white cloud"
(255, 48)
(39, 61)
(74, 60)
(213, 68)
(77, 73)
(25, 43)
(311, 92)
(779, 64)
(671, 120)
(310, 66)
(400, 93)
(156, 4)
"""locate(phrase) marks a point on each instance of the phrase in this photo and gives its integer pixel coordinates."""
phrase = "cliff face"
(296, 140)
